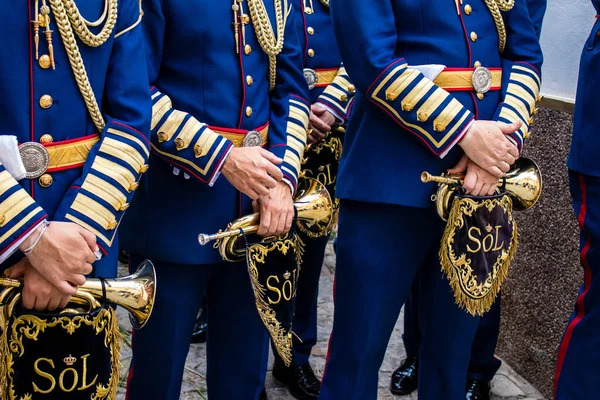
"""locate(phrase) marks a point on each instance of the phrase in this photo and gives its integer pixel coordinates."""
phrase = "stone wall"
(540, 292)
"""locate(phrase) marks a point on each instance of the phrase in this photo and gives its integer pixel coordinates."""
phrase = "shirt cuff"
(12, 249)
(458, 139)
(290, 184)
(338, 118)
(218, 173)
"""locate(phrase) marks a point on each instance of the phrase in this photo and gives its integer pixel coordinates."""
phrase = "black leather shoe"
(477, 390)
(300, 380)
(406, 378)
(263, 395)
(199, 334)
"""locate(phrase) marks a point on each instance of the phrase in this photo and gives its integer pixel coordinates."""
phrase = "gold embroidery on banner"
(256, 255)
(104, 190)
(30, 326)
(20, 224)
(476, 298)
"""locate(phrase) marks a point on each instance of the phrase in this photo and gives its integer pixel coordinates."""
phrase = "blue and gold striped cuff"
(19, 213)
(418, 105)
(183, 141)
(339, 94)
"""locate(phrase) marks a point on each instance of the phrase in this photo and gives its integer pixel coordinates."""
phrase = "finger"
(259, 188)
(255, 206)
(265, 222)
(318, 134)
(288, 220)
(513, 151)
(318, 124)
(281, 221)
(495, 171)
(504, 166)
(510, 159)
(490, 189)
(470, 181)
(460, 167)
(268, 181)
(28, 299)
(311, 139)
(66, 289)
(270, 156)
(78, 280)
(90, 258)
(478, 188)
(41, 303)
(275, 172)
(64, 301)
(510, 128)
(54, 302)
(252, 194)
(89, 238)
(16, 271)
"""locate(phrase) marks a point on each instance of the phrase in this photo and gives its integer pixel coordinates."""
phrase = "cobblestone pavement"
(507, 385)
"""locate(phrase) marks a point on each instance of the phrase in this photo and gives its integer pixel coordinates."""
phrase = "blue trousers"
(237, 341)
(483, 365)
(380, 250)
(578, 363)
(307, 292)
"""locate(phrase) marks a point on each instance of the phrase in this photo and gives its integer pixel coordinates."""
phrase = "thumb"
(318, 109)
(17, 270)
(460, 167)
(89, 238)
(470, 181)
(510, 128)
(270, 156)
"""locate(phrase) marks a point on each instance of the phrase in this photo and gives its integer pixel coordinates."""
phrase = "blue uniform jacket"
(403, 123)
(537, 9)
(586, 141)
(93, 172)
(208, 91)
(321, 55)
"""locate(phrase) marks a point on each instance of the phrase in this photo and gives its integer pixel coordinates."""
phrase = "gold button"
(245, 19)
(248, 111)
(198, 151)
(422, 117)
(540, 98)
(526, 135)
(530, 121)
(46, 139)
(351, 88)
(179, 143)
(249, 80)
(144, 168)
(45, 180)
(468, 9)
(311, 53)
(46, 101)
(123, 206)
(308, 10)
(45, 61)
(537, 110)
(133, 187)
(477, 64)
(407, 107)
(248, 49)
(2, 219)
(480, 96)
(162, 137)
(310, 30)
(440, 127)
(112, 225)
(344, 97)
(473, 37)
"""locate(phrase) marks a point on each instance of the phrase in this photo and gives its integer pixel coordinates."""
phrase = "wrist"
(33, 240)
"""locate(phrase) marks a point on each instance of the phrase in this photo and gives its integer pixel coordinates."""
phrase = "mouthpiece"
(204, 239)
(425, 177)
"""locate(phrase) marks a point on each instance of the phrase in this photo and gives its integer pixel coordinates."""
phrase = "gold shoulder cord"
(271, 44)
(495, 6)
(63, 11)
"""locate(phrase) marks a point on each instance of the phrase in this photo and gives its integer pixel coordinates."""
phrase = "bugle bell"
(314, 217)
(135, 293)
(523, 183)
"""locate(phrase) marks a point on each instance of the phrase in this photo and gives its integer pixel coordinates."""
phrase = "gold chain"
(81, 77)
(80, 23)
(495, 6)
(271, 44)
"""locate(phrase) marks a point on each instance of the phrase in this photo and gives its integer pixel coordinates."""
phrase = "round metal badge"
(35, 159)
(252, 139)
(482, 80)
(311, 78)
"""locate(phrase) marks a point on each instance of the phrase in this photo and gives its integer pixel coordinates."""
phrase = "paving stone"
(507, 385)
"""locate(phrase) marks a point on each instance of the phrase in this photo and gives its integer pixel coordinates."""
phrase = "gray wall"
(540, 292)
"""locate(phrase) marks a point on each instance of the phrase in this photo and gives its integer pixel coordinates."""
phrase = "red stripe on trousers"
(564, 347)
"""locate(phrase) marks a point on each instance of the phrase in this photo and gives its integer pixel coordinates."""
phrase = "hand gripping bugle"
(314, 217)
(135, 293)
(523, 183)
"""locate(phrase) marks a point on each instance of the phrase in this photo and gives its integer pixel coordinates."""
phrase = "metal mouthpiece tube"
(5, 282)
(426, 177)
(205, 238)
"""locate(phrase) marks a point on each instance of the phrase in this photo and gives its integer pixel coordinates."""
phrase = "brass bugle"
(314, 214)
(523, 183)
(135, 292)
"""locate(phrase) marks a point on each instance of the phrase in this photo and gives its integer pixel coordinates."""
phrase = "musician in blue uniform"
(442, 85)
(483, 364)
(74, 140)
(331, 96)
(578, 363)
(230, 116)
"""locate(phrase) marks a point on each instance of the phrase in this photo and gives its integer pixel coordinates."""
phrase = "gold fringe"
(481, 302)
